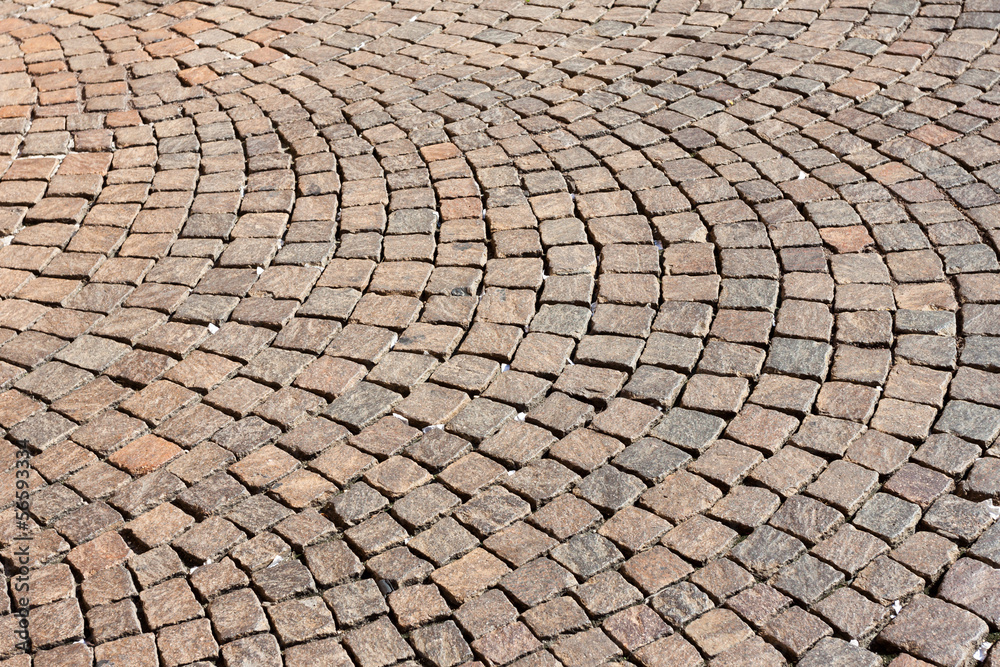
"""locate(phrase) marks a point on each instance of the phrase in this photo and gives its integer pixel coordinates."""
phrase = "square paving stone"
(537, 581)
(689, 429)
(886, 581)
(726, 463)
(680, 495)
(807, 579)
(717, 631)
(978, 423)
(766, 550)
(758, 604)
(470, 575)
(444, 541)
(796, 631)
(826, 436)
(585, 450)
(746, 507)
(377, 644)
(441, 644)
(651, 459)
(606, 593)
(888, 517)
(506, 644)
(852, 614)
(722, 578)
(700, 539)
(610, 489)
(423, 505)
(958, 518)
(540, 480)
(831, 651)
(844, 486)
(936, 631)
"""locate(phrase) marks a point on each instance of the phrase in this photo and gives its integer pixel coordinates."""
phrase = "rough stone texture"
(512, 332)
(935, 631)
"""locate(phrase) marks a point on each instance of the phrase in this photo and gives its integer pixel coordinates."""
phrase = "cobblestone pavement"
(526, 332)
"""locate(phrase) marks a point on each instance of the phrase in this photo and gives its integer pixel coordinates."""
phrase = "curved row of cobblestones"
(352, 332)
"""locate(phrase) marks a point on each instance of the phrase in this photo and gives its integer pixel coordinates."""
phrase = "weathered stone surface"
(512, 333)
(935, 631)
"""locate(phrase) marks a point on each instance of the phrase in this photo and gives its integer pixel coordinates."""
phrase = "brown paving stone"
(569, 478)
(469, 575)
(717, 631)
(506, 644)
(377, 644)
(935, 630)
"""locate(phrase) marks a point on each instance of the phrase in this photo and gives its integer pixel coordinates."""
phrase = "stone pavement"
(526, 332)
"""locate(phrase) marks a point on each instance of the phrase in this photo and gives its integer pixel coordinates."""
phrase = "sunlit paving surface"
(500, 332)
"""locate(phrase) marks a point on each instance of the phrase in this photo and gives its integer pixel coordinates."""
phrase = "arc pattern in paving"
(528, 333)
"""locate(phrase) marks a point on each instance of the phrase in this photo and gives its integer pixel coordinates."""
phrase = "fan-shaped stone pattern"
(529, 333)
